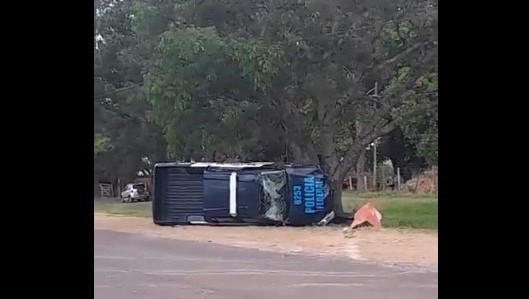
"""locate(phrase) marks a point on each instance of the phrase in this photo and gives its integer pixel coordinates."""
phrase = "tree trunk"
(338, 203)
(360, 171)
(339, 210)
(361, 164)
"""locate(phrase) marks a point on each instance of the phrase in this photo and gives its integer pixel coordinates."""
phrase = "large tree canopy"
(126, 141)
(303, 80)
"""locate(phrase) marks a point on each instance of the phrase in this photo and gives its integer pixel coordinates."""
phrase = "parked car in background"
(135, 192)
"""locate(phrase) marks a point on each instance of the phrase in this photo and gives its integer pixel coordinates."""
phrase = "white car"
(135, 192)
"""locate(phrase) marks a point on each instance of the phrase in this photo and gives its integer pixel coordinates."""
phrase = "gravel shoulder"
(386, 246)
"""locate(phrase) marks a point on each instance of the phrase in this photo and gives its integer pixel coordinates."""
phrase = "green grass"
(139, 209)
(398, 209)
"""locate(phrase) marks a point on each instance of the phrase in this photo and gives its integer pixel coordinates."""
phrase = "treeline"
(295, 80)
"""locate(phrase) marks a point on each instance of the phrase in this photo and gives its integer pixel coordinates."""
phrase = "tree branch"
(398, 56)
(381, 128)
(353, 153)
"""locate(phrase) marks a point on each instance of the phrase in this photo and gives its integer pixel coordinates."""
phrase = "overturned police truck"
(258, 193)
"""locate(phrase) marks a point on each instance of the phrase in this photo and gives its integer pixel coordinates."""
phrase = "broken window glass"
(273, 203)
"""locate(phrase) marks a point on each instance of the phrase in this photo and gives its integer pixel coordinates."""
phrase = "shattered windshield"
(273, 201)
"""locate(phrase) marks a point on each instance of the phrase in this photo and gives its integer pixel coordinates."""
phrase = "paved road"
(129, 266)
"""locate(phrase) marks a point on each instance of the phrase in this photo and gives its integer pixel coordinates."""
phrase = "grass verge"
(138, 209)
(398, 209)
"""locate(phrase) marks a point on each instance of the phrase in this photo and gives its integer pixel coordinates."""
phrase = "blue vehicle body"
(263, 193)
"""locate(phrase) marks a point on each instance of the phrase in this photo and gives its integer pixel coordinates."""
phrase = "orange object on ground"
(367, 213)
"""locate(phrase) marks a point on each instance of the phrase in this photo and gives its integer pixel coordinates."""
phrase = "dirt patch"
(398, 246)
(386, 245)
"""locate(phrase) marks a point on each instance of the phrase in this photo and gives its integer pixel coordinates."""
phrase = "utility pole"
(375, 95)
(375, 166)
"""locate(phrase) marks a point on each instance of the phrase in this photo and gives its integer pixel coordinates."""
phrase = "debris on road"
(328, 218)
(367, 214)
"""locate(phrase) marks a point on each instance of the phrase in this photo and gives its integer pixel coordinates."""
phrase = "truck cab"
(260, 193)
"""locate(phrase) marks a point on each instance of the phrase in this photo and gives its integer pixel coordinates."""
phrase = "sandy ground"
(387, 246)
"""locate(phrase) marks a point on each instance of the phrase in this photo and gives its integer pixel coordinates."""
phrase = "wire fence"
(423, 181)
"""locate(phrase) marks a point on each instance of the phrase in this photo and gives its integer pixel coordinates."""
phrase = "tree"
(126, 140)
(315, 71)
(313, 81)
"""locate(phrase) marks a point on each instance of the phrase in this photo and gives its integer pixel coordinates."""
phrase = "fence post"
(398, 179)
(383, 179)
(436, 183)
(350, 183)
(417, 179)
(119, 187)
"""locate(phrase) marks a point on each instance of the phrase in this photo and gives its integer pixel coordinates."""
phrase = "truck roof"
(216, 164)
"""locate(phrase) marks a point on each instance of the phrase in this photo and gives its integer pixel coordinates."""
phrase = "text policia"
(311, 194)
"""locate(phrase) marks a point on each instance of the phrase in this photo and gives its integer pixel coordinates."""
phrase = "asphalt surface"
(128, 266)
